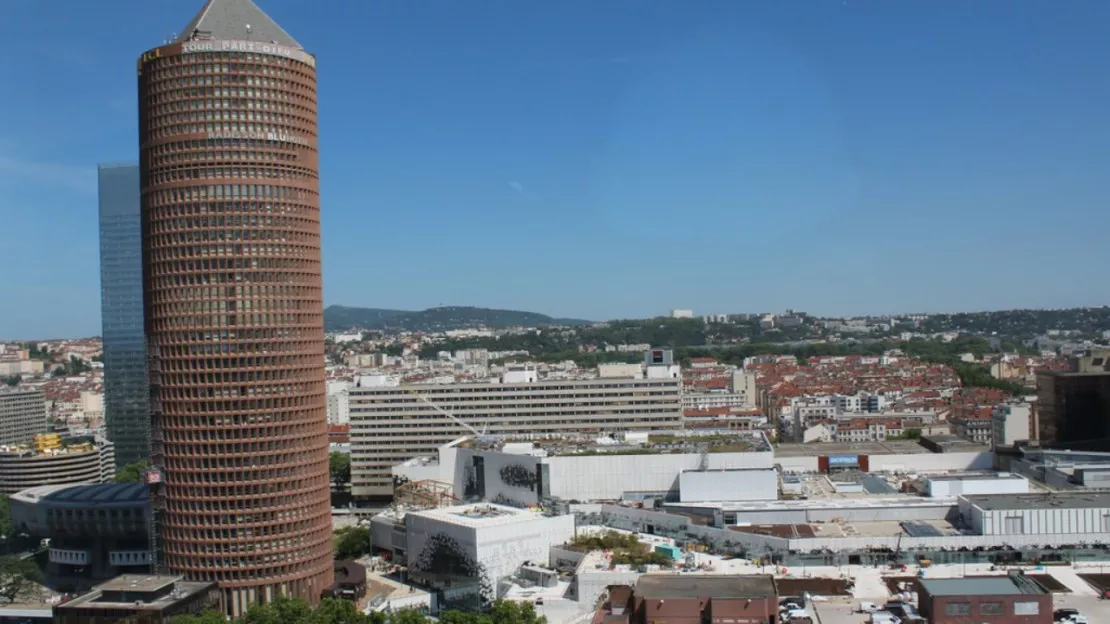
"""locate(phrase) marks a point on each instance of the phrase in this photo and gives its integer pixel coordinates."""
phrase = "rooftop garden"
(625, 548)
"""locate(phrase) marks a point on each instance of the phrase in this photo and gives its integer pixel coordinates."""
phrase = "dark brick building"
(675, 599)
(1013, 599)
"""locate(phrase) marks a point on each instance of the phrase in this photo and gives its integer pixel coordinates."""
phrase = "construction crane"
(439, 409)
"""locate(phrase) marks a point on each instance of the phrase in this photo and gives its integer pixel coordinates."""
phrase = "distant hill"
(338, 318)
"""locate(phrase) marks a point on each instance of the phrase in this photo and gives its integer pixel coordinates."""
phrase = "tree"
(352, 542)
(59, 371)
(339, 464)
(13, 380)
(16, 576)
(132, 473)
(7, 529)
(912, 434)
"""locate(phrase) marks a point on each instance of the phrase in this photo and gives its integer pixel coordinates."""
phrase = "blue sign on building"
(843, 460)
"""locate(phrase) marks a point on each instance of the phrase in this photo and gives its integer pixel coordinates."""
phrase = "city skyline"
(943, 163)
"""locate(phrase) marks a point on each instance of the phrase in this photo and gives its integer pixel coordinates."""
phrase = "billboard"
(843, 460)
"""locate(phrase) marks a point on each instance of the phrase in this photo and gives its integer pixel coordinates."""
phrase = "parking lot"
(842, 610)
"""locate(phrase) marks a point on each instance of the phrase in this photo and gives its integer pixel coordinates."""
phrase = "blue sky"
(618, 158)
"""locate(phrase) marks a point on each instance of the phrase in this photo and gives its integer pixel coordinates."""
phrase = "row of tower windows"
(234, 62)
(206, 266)
(221, 191)
(225, 173)
(233, 115)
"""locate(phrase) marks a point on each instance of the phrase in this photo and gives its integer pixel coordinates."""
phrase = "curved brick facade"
(234, 315)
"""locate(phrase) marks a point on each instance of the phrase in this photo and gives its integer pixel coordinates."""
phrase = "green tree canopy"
(339, 464)
(132, 473)
(352, 542)
(16, 576)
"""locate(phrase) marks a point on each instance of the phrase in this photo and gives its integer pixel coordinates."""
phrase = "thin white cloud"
(18, 171)
(518, 187)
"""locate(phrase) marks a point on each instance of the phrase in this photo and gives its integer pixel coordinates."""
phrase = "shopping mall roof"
(1047, 500)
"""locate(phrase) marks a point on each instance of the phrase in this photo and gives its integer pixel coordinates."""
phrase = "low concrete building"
(945, 486)
(1078, 513)
(148, 599)
(996, 600)
(679, 599)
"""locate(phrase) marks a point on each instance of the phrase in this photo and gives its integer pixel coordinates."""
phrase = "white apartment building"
(393, 424)
(339, 405)
(711, 400)
(1010, 423)
(22, 415)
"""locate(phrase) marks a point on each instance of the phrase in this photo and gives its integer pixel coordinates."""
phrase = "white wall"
(728, 485)
(607, 477)
(931, 462)
(1040, 522)
(503, 549)
(945, 487)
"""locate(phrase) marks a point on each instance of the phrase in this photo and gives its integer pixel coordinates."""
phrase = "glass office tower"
(126, 394)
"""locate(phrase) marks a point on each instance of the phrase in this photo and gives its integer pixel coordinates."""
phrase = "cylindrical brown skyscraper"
(233, 305)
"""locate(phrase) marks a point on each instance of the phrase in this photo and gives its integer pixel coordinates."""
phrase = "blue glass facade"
(126, 393)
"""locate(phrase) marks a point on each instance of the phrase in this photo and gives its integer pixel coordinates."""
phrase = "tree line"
(331, 611)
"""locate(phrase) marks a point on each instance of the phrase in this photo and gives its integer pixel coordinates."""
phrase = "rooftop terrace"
(678, 442)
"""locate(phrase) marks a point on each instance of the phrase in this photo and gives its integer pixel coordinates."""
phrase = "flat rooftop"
(131, 585)
(137, 582)
(1046, 500)
(889, 447)
(980, 476)
(863, 502)
(723, 586)
(662, 443)
(1017, 585)
(478, 515)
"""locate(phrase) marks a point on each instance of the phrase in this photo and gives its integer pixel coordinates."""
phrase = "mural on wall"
(474, 479)
(442, 555)
(518, 476)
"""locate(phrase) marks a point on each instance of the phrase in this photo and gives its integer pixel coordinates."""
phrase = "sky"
(619, 158)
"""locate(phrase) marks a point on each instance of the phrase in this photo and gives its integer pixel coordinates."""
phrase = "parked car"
(868, 607)
(1069, 616)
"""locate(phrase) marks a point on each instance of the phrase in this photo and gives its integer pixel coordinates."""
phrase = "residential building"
(682, 313)
(393, 424)
(234, 309)
(1010, 423)
(339, 404)
(126, 392)
(977, 430)
(22, 415)
(685, 599)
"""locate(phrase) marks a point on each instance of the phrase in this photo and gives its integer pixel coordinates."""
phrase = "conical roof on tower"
(236, 20)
